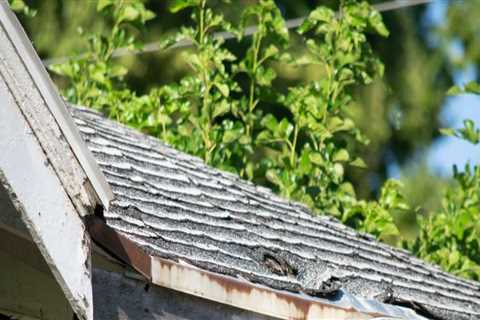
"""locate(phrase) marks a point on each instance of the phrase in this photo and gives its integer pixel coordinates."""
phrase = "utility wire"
(290, 24)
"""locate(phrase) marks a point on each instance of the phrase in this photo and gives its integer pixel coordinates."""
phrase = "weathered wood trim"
(46, 209)
(47, 115)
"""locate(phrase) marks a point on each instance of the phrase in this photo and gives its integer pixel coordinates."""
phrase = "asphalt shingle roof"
(175, 206)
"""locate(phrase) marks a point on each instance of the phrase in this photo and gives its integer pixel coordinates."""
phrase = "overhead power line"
(290, 24)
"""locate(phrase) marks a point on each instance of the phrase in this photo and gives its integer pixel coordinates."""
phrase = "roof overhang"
(235, 292)
(29, 82)
(49, 174)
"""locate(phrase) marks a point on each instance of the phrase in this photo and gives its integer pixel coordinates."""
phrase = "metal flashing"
(118, 245)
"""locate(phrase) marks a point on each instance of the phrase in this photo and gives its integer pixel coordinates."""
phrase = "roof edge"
(235, 292)
(54, 102)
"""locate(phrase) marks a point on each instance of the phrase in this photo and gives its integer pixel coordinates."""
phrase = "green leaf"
(472, 87)
(148, 15)
(265, 76)
(21, 7)
(177, 5)
(322, 14)
(447, 131)
(469, 132)
(316, 158)
(102, 4)
(270, 122)
(129, 13)
(306, 25)
(271, 51)
(377, 24)
(17, 5)
(341, 155)
(221, 108)
(264, 135)
(223, 88)
(231, 135)
(359, 163)
(164, 119)
(339, 170)
(305, 165)
(273, 177)
(284, 128)
(455, 90)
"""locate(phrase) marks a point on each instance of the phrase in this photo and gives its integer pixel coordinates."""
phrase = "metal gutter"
(121, 247)
(56, 105)
(235, 292)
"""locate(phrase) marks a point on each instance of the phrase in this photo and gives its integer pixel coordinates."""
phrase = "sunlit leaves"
(451, 237)
(376, 217)
(222, 110)
(468, 133)
(471, 87)
(21, 7)
(177, 5)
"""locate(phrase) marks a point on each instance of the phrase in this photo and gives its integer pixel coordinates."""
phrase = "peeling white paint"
(45, 111)
(46, 209)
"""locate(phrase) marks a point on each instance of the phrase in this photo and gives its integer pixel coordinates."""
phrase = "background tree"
(399, 113)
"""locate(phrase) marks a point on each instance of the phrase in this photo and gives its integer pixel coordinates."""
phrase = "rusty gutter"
(237, 292)
(119, 246)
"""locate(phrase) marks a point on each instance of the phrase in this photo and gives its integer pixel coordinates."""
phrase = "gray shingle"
(175, 206)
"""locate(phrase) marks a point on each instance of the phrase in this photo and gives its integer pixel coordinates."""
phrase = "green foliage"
(471, 87)
(221, 111)
(376, 217)
(298, 139)
(451, 237)
(21, 7)
(469, 132)
(95, 80)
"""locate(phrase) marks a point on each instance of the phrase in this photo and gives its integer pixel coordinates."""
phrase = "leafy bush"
(451, 237)
(298, 140)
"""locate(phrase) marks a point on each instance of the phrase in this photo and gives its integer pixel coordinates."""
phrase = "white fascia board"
(22, 67)
(45, 207)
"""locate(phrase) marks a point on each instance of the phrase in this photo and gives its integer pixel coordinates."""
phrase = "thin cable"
(290, 24)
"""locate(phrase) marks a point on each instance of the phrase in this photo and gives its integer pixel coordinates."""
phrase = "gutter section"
(245, 295)
(235, 292)
(119, 246)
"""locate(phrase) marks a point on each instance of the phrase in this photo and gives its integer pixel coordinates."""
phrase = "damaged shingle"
(176, 207)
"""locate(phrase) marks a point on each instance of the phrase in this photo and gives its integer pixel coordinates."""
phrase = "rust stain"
(297, 307)
(216, 287)
(119, 246)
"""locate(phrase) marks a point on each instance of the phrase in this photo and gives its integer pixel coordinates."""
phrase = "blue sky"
(447, 151)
